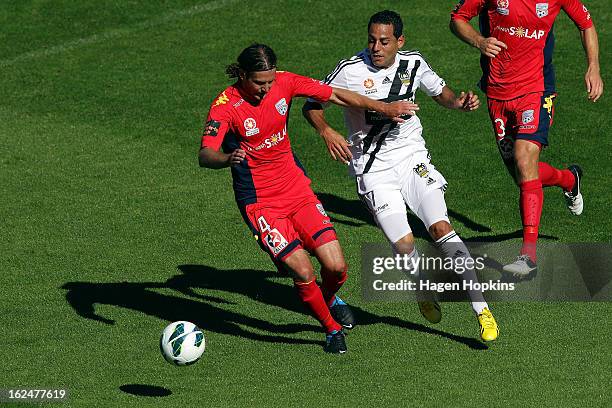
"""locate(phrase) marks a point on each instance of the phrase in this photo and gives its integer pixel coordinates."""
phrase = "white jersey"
(377, 143)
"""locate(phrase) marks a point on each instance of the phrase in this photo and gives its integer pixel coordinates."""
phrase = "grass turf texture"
(104, 208)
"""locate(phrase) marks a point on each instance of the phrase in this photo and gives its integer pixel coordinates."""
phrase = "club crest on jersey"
(421, 170)
(250, 126)
(276, 242)
(405, 78)
(282, 107)
(503, 7)
(321, 209)
(528, 116)
(542, 9)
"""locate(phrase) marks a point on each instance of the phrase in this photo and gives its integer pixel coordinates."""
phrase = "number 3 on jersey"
(500, 129)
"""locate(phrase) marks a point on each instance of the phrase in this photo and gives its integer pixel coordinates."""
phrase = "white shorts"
(411, 182)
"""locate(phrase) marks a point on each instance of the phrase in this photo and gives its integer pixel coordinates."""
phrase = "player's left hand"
(594, 84)
(337, 146)
(399, 108)
(468, 102)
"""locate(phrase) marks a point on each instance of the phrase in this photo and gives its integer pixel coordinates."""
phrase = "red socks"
(331, 283)
(555, 177)
(311, 295)
(531, 201)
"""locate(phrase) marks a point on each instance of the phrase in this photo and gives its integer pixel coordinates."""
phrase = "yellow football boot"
(488, 326)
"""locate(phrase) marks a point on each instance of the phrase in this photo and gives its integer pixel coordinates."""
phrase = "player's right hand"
(337, 146)
(491, 46)
(398, 108)
(236, 157)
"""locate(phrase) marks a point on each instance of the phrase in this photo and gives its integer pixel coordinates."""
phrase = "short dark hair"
(388, 17)
(254, 58)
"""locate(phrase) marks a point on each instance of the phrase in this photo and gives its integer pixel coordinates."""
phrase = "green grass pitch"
(110, 230)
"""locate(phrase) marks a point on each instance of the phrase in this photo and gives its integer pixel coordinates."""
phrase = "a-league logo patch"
(541, 9)
(276, 242)
(503, 7)
(527, 116)
(282, 107)
(251, 127)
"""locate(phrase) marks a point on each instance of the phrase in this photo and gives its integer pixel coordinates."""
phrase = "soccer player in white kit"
(389, 160)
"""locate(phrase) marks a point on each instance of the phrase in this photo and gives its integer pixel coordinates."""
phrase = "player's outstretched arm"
(337, 146)
(592, 79)
(393, 110)
(466, 102)
(214, 159)
(489, 46)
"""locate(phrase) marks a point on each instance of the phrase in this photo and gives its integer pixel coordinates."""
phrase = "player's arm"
(581, 16)
(214, 159)
(393, 110)
(594, 83)
(337, 146)
(489, 46)
(210, 156)
(465, 101)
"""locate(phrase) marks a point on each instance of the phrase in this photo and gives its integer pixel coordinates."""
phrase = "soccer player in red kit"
(516, 42)
(248, 120)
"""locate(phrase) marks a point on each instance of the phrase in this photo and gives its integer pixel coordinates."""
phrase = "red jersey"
(526, 27)
(270, 171)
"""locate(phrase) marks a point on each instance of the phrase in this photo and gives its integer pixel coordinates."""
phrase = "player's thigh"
(419, 180)
(273, 230)
(331, 257)
(299, 266)
(387, 206)
(504, 128)
(432, 209)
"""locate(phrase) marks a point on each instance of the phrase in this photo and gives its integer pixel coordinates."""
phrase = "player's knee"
(303, 274)
(337, 267)
(404, 245)
(440, 229)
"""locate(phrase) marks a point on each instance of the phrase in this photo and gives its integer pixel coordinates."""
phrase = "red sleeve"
(465, 10)
(304, 86)
(215, 128)
(578, 13)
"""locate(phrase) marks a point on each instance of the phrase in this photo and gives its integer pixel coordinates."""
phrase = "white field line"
(118, 32)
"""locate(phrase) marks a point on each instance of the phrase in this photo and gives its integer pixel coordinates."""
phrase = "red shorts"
(282, 229)
(527, 117)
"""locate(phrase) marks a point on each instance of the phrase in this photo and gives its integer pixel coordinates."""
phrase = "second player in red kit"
(516, 41)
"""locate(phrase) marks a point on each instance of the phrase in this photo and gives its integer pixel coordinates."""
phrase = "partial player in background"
(248, 120)
(516, 42)
(390, 160)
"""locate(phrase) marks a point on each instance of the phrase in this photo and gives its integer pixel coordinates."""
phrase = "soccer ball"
(182, 343)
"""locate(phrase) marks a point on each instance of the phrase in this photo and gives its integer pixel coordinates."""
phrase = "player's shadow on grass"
(257, 286)
(356, 210)
(205, 311)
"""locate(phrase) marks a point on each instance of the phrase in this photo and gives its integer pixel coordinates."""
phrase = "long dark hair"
(254, 58)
